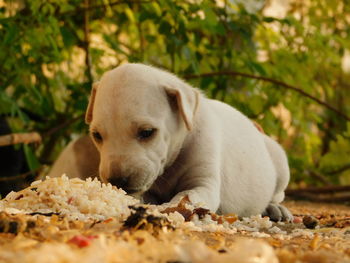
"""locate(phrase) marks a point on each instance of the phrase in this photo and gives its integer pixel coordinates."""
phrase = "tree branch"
(62, 125)
(142, 40)
(15, 138)
(319, 177)
(88, 71)
(340, 170)
(274, 81)
(120, 3)
(93, 7)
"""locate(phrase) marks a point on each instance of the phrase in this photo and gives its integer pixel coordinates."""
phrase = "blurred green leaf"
(31, 158)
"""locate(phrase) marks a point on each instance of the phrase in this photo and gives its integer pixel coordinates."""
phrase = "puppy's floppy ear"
(187, 99)
(88, 114)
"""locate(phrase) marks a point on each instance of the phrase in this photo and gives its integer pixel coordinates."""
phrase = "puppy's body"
(161, 138)
(227, 159)
(79, 159)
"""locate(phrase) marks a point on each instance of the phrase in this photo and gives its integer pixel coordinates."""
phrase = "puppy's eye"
(97, 136)
(147, 133)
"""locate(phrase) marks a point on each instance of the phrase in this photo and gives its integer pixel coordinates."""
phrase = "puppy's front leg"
(200, 196)
(201, 182)
(202, 190)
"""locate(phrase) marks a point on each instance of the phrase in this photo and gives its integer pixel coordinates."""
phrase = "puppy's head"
(139, 117)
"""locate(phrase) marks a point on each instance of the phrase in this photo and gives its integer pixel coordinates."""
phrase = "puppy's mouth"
(133, 191)
(130, 184)
(138, 191)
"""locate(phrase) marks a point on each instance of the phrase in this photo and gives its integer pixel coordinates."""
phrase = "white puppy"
(160, 138)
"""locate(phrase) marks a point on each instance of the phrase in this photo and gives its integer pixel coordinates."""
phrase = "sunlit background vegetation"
(285, 64)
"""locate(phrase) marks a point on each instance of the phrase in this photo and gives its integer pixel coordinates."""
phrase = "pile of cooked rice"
(77, 199)
(73, 198)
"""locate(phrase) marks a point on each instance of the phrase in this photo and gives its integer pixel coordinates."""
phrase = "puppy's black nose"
(120, 182)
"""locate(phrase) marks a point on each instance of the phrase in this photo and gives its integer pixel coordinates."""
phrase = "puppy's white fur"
(202, 148)
(79, 159)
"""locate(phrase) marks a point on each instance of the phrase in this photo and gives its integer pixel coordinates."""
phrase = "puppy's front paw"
(149, 198)
(277, 212)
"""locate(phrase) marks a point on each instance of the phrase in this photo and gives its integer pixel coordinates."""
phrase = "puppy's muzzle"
(121, 182)
(120, 179)
(124, 183)
(126, 176)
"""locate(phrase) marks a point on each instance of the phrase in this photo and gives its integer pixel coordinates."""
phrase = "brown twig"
(62, 125)
(274, 81)
(319, 177)
(15, 138)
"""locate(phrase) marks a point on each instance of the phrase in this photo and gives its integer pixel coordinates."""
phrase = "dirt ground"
(331, 241)
(53, 239)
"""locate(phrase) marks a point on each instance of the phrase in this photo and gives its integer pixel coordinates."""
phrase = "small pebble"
(310, 222)
(297, 219)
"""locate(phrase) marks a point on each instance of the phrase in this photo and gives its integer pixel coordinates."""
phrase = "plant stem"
(88, 71)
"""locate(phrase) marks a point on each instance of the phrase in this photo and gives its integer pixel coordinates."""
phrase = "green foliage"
(45, 79)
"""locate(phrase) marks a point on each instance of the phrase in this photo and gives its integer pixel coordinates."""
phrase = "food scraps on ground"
(68, 219)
